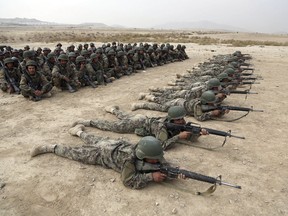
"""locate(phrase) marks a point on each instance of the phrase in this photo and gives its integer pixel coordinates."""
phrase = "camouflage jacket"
(195, 109)
(13, 74)
(60, 72)
(30, 83)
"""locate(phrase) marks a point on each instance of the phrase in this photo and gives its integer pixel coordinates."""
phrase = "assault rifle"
(174, 172)
(11, 81)
(88, 80)
(247, 91)
(196, 129)
(246, 68)
(69, 87)
(239, 82)
(249, 78)
(235, 108)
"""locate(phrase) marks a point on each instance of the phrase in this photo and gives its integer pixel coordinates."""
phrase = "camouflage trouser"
(30, 93)
(98, 151)
(160, 107)
(4, 87)
(125, 124)
(59, 83)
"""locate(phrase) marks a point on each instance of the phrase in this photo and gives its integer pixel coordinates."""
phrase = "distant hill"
(95, 25)
(200, 25)
(33, 22)
(23, 22)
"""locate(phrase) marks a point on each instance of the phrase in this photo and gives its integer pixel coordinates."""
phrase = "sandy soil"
(50, 185)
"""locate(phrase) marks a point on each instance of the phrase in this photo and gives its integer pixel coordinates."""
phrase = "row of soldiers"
(204, 88)
(143, 163)
(40, 70)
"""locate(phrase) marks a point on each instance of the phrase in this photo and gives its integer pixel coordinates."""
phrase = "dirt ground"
(51, 185)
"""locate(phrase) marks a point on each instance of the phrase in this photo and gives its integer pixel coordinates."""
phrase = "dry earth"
(50, 185)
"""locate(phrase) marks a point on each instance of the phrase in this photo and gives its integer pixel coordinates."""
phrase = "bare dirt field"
(51, 185)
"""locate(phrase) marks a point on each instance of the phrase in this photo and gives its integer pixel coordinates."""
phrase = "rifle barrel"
(239, 137)
(228, 184)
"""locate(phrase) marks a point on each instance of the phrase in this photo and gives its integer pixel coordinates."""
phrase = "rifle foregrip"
(198, 177)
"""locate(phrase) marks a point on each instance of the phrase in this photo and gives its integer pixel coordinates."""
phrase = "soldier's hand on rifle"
(10, 89)
(78, 83)
(216, 112)
(82, 66)
(184, 134)
(66, 79)
(158, 176)
(226, 111)
(204, 132)
(181, 176)
(221, 96)
(38, 93)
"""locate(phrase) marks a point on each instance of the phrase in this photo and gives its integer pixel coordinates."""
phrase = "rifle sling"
(217, 119)
(209, 191)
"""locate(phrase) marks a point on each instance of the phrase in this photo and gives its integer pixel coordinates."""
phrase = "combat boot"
(142, 95)
(79, 127)
(150, 98)
(111, 109)
(42, 150)
(86, 123)
(136, 106)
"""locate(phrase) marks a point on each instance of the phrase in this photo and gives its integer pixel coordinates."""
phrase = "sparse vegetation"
(129, 36)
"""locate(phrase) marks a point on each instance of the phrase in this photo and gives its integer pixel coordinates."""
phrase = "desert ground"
(51, 185)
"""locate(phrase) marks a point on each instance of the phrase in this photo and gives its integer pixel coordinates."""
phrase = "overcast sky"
(254, 15)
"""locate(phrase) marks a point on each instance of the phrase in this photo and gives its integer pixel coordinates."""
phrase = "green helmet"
(93, 56)
(150, 49)
(149, 147)
(31, 63)
(130, 52)
(27, 54)
(223, 76)
(63, 57)
(229, 71)
(8, 60)
(212, 83)
(71, 54)
(80, 59)
(84, 52)
(237, 53)
(176, 112)
(120, 53)
(234, 64)
(50, 55)
(208, 97)
(111, 52)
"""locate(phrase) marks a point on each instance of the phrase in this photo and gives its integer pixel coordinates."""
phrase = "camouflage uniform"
(84, 75)
(118, 155)
(59, 72)
(96, 71)
(48, 67)
(193, 107)
(140, 125)
(113, 65)
(123, 63)
(29, 84)
(168, 95)
(13, 73)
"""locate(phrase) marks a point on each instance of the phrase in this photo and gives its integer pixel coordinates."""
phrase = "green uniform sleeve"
(133, 179)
